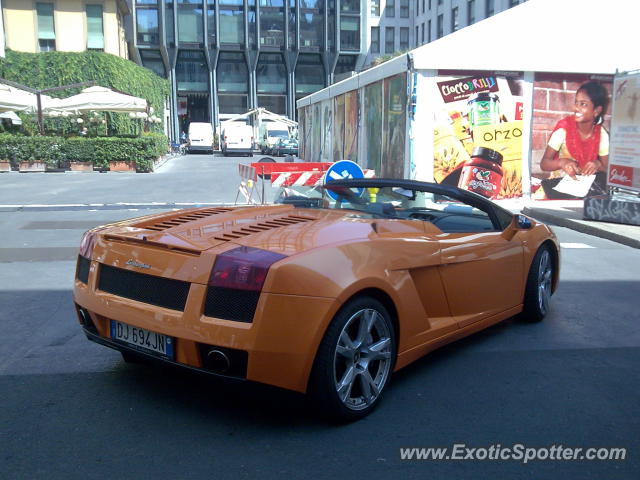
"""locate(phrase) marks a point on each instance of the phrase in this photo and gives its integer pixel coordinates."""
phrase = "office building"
(226, 57)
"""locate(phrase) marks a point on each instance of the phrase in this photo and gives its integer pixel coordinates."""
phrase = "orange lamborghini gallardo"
(328, 291)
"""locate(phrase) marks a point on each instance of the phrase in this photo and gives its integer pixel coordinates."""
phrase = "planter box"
(5, 166)
(122, 166)
(81, 166)
(33, 166)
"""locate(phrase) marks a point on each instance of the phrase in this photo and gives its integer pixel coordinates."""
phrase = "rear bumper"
(279, 345)
(237, 150)
(200, 148)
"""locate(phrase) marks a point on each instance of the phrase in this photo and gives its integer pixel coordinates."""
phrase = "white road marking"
(575, 245)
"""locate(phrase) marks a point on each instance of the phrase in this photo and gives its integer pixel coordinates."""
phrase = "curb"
(581, 226)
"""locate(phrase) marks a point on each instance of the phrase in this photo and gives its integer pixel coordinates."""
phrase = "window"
(390, 9)
(454, 19)
(417, 7)
(169, 23)
(350, 6)
(271, 74)
(375, 8)
(192, 73)
(423, 10)
(404, 8)
(439, 2)
(95, 32)
(513, 3)
(233, 86)
(46, 30)
(190, 26)
(346, 63)
(152, 60)
(271, 24)
(311, 28)
(422, 32)
(417, 37)
(490, 8)
(147, 23)
(440, 26)
(429, 31)
(389, 40)
(349, 32)
(404, 38)
(309, 74)
(375, 39)
(231, 22)
(471, 12)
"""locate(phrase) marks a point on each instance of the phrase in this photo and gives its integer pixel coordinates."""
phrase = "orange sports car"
(328, 291)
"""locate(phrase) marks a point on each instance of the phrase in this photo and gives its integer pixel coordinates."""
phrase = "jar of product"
(482, 173)
(484, 109)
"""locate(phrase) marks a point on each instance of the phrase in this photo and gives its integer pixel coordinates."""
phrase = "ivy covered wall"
(54, 69)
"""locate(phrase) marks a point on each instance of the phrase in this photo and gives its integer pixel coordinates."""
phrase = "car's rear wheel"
(539, 285)
(354, 361)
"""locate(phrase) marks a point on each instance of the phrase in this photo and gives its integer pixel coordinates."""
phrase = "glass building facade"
(225, 57)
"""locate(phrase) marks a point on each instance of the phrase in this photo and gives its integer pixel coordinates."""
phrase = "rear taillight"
(243, 268)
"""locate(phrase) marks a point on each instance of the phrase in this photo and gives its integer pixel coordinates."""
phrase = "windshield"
(279, 133)
(385, 202)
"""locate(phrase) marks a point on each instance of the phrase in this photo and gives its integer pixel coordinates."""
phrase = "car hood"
(279, 228)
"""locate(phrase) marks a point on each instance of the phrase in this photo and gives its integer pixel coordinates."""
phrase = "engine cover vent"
(182, 219)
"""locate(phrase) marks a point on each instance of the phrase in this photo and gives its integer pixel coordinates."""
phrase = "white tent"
(100, 99)
(568, 36)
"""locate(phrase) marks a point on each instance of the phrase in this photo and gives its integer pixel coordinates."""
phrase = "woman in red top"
(579, 145)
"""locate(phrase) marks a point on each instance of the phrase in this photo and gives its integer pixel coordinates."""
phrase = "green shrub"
(57, 152)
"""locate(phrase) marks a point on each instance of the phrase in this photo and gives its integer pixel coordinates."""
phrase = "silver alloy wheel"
(362, 361)
(545, 276)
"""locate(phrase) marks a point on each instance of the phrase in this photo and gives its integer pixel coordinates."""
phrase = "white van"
(236, 137)
(200, 137)
(270, 133)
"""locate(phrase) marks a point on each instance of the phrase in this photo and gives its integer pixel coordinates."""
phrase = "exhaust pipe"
(218, 361)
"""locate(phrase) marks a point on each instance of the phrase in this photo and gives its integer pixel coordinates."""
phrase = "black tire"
(353, 364)
(537, 294)
(266, 160)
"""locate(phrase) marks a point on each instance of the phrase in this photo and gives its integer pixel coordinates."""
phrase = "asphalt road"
(73, 409)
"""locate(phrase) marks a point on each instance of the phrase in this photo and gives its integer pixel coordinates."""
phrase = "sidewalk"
(569, 214)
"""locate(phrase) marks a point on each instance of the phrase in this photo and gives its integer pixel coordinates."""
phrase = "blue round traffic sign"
(341, 170)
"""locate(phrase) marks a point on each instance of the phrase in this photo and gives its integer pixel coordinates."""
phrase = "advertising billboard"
(570, 135)
(624, 156)
(478, 132)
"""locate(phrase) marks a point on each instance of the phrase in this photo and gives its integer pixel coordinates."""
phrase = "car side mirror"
(523, 222)
(518, 223)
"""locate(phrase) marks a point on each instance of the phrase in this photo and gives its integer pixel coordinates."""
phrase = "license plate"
(142, 339)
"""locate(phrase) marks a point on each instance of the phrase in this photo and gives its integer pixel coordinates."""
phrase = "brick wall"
(553, 97)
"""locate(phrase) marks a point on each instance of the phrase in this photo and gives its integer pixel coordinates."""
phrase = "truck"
(269, 133)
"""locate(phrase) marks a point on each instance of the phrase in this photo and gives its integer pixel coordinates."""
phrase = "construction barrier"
(282, 175)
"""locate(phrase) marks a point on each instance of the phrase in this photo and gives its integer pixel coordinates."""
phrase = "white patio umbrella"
(10, 115)
(99, 99)
(15, 100)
